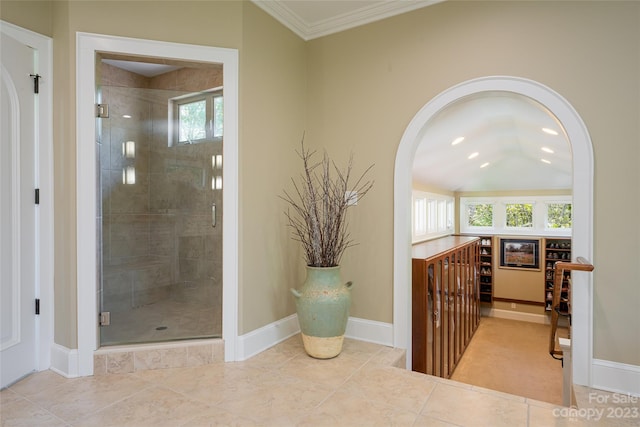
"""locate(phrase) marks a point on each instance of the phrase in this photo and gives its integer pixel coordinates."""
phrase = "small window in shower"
(196, 118)
(192, 121)
(218, 116)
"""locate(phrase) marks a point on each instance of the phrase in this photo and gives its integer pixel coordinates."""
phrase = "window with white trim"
(196, 118)
(559, 215)
(479, 215)
(519, 215)
(419, 216)
(533, 215)
(432, 216)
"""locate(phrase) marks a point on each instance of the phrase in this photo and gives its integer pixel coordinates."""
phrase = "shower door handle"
(213, 215)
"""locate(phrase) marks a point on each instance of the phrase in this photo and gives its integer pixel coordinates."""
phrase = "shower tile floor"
(165, 320)
(282, 386)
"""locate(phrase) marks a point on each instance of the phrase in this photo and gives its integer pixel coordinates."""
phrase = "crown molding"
(371, 12)
(285, 16)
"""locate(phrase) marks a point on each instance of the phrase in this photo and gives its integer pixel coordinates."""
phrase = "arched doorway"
(578, 137)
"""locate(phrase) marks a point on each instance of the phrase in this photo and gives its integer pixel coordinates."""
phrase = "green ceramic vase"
(323, 305)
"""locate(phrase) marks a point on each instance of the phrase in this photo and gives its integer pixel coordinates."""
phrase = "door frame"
(87, 44)
(582, 149)
(43, 259)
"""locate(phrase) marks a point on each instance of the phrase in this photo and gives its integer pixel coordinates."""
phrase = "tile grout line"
(339, 386)
(112, 403)
(35, 404)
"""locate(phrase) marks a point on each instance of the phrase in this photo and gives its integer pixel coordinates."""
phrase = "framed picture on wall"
(520, 253)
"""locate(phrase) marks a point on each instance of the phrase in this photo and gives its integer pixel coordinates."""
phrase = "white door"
(17, 212)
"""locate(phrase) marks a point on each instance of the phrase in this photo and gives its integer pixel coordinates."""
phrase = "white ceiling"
(505, 129)
(147, 69)
(311, 19)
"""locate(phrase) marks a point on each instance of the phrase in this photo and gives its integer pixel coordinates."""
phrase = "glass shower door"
(161, 212)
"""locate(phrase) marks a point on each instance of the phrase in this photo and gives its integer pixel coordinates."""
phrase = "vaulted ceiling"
(494, 141)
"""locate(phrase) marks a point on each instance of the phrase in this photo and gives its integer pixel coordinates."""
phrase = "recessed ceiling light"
(458, 140)
(545, 161)
(549, 131)
(126, 116)
(473, 155)
(547, 150)
(484, 165)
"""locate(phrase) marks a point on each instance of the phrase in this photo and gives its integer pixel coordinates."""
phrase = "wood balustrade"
(445, 302)
(581, 264)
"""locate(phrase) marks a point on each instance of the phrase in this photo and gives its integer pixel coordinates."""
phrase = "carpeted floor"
(512, 356)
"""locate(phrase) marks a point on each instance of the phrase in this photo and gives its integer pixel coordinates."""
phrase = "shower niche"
(160, 210)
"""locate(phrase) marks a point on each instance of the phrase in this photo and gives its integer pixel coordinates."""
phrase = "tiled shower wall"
(158, 241)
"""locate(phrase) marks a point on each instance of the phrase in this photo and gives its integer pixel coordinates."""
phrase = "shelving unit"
(486, 269)
(556, 249)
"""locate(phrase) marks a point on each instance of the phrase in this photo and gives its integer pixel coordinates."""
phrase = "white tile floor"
(284, 387)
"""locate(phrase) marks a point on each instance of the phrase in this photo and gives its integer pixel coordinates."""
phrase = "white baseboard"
(370, 331)
(517, 315)
(64, 361)
(616, 377)
(266, 337)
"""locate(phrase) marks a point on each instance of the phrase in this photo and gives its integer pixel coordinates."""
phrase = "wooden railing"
(565, 310)
(445, 302)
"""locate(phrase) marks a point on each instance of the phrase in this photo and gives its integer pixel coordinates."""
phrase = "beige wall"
(421, 186)
(366, 84)
(357, 91)
(520, 284)
(273, 113)
(32, 15)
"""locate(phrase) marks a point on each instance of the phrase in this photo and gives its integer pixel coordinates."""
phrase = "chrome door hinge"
(105, 318)
(102, 111)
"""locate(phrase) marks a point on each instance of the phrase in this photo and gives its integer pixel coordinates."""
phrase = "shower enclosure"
(160, 142)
